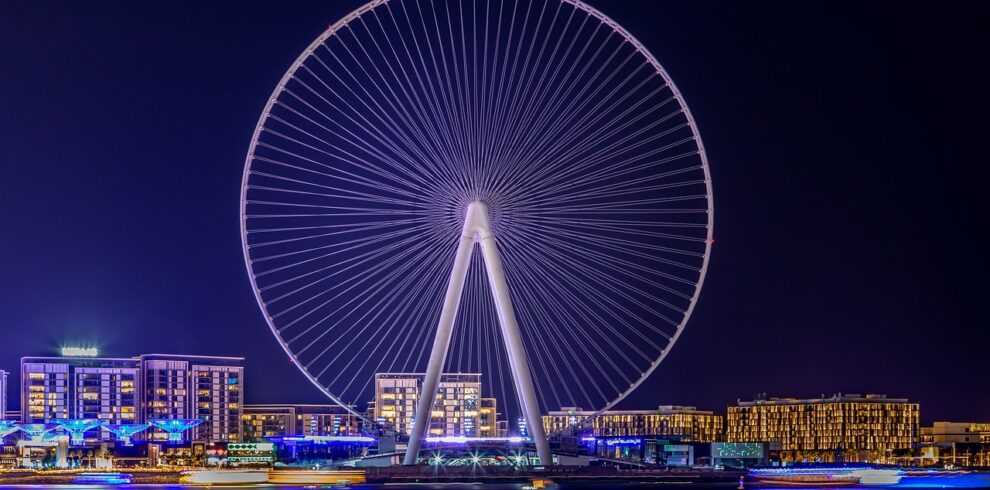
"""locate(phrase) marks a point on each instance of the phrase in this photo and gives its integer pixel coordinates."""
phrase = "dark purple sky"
(844, 141)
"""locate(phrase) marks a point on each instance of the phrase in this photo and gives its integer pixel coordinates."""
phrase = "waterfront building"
(459, 409)
(847, 427)
(136, 390)
(195, 387)
(957, 443)
(103, 389)
(266, 421)
(684, 423)
(3, 395)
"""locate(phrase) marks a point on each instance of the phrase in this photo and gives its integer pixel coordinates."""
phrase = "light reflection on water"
(969, 481)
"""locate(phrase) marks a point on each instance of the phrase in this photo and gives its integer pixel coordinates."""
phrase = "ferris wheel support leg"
(441, 343)
(517, 353)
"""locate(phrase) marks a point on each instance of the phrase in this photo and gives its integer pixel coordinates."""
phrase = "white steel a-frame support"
(477, 229)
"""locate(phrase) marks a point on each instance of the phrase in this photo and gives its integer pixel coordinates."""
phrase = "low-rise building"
(847, 427)
(265, 421)
(684, 423)
(957, 443)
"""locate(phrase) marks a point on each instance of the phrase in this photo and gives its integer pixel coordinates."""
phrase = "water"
(968, 481)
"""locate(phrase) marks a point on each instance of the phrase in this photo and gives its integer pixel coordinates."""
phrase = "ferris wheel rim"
(355, 14)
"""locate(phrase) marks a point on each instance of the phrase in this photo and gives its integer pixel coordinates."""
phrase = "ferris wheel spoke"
(354, 282)
(349, 158)
(399, 130)
(435, 144)
(626, 292)
(344, 193)
(594, 183)
(604, 154)
(499, 173)
(627, 246)
(509, 111)
(385, 326)
(348, 229)
(579, 295)
(357, 162)
(552, 115)
(550, 292)
(567, 134)
(433, 104)
(536, 315)
(523, 104)
(421, 315)
(587, 143)
(367, 127)
(457, 90)
(616, 264)
(405, 247)
(383, 118)
(443, 77)
(439, 95)
(544, 118)
(356, 227)
(343, 247)
(324, 276)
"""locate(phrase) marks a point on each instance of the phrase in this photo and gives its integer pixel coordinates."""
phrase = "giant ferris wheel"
(509, 187)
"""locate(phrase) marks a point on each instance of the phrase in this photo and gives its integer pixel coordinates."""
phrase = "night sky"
(844, 141)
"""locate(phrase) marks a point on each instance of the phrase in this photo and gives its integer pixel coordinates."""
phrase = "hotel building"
(106, 389)
(459, 409)
(3, 395)
(687, 424)
(195, 387)
(842, 427)
(263, 421)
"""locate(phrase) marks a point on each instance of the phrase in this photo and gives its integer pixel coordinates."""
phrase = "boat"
(826, 476)
(102, 479)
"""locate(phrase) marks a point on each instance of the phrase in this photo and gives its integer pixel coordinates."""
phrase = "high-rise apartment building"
(261, 421)
(195, 387)
(848, 427)
(106, 389)
(686, 423)
(459, 409)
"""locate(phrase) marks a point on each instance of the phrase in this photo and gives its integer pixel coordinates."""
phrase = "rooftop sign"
(80, 352)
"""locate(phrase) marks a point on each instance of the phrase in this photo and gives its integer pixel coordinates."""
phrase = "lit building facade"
(3, 395)
(957, 443)
(195, 387)
(136, 390)
(687, 424)
(105, 389)
(459, 409)
(265, 421)
(842, 427)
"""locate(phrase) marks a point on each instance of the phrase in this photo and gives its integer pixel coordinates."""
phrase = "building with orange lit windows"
(459, 409)
(850, 427)
(685, 423)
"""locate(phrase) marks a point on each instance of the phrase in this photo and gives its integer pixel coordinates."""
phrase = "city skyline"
(819, 284)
